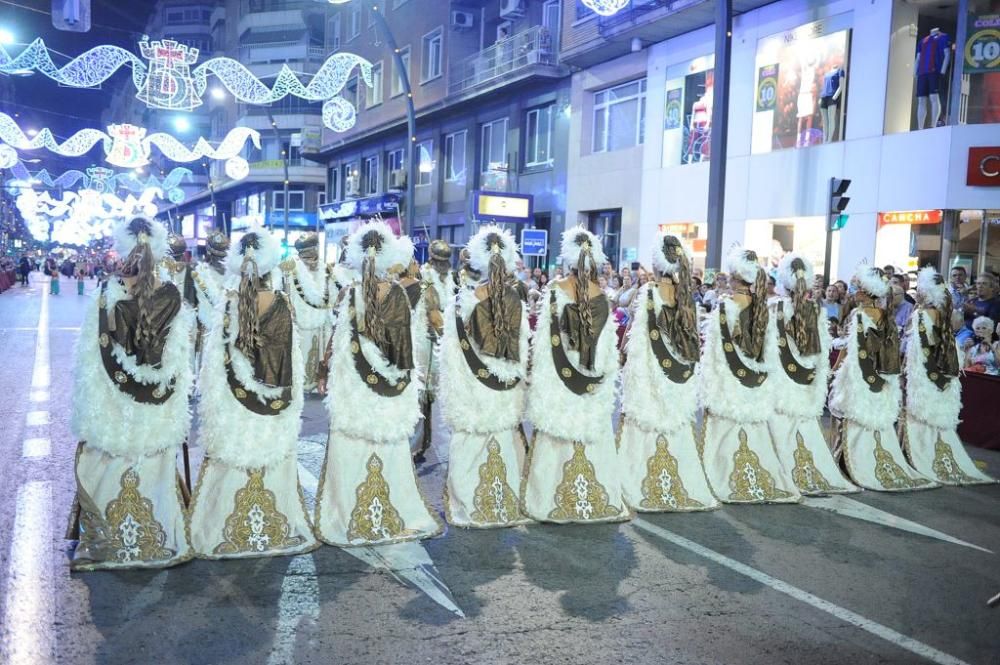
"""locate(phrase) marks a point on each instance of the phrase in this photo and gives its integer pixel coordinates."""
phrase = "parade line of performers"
(383, 337)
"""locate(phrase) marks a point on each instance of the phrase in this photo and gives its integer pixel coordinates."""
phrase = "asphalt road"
(873, 578)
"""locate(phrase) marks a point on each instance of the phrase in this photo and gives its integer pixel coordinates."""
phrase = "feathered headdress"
(791, 269)
(376, 242)
(257, 250)
(131, 230)
(574, 241)
(742, 264)
(492, 240)
(872, 280)
(931, 287)
(668, 253)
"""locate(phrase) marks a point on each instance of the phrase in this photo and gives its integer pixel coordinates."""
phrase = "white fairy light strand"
(169, 82)
(606, 7)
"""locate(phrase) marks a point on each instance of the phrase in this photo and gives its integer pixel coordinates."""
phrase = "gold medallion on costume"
(749, 481)
(255, 525)
(945, 467)
(135, 534)
(494, 501)
(890, 474)
(374, 517)
(580, 496)
(805, 474)
(662, 488)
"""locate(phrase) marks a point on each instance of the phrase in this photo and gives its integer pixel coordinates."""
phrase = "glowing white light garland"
(606, 7)
(100, 179)
(80, 217)
(8, 157)
(127, 145)
(169, 82)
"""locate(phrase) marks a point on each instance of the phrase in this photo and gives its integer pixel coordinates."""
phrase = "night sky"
(41, 102)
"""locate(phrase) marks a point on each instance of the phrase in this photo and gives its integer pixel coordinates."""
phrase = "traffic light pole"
(828, 250)
(720, 131)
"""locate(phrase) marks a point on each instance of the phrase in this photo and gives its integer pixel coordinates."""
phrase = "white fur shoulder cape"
(552, 407)
(231, 433)
(924, 402)
(211, 294)
(312, 312)
(355, 409)
(466, 404)
(108, 419)
(794, 399)
(648, 397)
(850, 397)
(721, 393)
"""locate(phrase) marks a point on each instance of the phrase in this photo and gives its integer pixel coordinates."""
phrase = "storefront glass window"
(773, 238)
(687, 125)
(909, 240)
(801, 86)
(975, 242)
(981, 63)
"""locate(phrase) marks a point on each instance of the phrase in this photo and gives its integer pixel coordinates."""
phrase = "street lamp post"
(284, 161)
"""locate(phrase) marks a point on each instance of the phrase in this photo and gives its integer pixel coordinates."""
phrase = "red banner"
(909, 217)
(984, 167)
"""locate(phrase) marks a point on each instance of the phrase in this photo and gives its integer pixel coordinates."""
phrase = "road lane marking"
(40, 375)
(299, 599)
(37, 447)
(39, 396)
(29, 612)
(862, 511)
(868, 625)
(37, 418)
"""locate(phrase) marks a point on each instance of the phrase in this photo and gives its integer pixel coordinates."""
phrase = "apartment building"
(492, 115)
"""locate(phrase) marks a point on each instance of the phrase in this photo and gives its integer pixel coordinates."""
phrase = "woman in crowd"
(933, 391)
(740, 350)
(627, 292)
(573, 470)
(130, 413)
(368, 491)
(800, 383)
(484, 363)
(866, 392)
(248, 500)
(661, 467)
(982, 353)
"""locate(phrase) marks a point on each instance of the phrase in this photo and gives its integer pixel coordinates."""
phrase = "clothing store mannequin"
(806, 102)
(933, 56)
(830, 100)
(699, 134)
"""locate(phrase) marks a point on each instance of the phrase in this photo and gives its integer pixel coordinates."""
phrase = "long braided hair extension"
(805, 320)
(495, 288)
(753, 344)
(371, 243)
(945, 351)
(889, 358)
(684, 335)
(585, 270)
(140, 264)
(248, 336)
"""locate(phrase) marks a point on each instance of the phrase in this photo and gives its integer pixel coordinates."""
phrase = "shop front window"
(801, 86)
(980, 61)
(773, 238)
(687, 124)
(909, 239)
(975, 242)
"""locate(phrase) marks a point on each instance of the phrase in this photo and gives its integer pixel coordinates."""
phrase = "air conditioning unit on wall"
(511, 8)
(462, 20)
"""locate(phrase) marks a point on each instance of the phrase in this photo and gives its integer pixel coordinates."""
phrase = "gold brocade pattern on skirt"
(945, 467)
(662, 487)
(749, 481)
(255, 525)
(805, 474)
(135, 535)
(579, 495)
(888, 473)
(374, 517)
(494, 500)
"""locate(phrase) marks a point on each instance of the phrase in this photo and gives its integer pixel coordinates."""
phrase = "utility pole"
(284, 161)
(720, 132)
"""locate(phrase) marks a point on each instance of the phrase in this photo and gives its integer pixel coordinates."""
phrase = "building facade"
(492, 110)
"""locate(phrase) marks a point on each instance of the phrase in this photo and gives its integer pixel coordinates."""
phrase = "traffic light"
(838, 203)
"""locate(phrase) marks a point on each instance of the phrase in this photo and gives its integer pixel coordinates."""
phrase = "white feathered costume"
(368, 492)
(131, 510)
(798, 402)
(486, 453)
(738, 395)
(248, 501)
(660, 461)
(573, 469)
(930, 434)
(308, 290)
(867, 400)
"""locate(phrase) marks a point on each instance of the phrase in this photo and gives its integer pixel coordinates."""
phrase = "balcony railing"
(281, 52)
(525, 49)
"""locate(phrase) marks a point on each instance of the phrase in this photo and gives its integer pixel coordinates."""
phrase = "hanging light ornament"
(170, 83)
(606, 7)
(8, 157)
(237, 168)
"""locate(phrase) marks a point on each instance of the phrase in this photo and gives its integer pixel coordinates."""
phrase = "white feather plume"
(569, 251)
(786, 277)
(266, 256)
(930, 289)
(738, 265)
(395, 250)
(480, 252)
(660, 262)
(125, 242)
(871, 281)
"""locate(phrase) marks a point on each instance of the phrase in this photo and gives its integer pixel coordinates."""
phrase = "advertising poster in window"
(674, 109)
(801, 86)
(687, 125)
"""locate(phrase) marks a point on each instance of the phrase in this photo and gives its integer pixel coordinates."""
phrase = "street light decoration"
(100, 179)
(606, 7)
(170, 83)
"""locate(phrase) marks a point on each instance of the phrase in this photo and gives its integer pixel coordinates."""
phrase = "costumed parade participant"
(933, 391)
(800, 384)
(866, 393)
(467, 277)
(739, 355)
(573, 470)
(483, 363)
(174, 267)
(248, 501)
(658, 453)
(368, 492)
(208, 278)
(310, 298)
(130, 412)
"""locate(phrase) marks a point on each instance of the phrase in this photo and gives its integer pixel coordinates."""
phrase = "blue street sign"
(534, 242)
